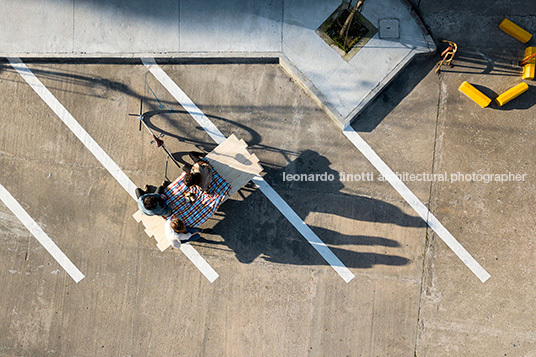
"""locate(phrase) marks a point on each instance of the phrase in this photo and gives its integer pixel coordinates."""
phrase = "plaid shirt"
(193, 214)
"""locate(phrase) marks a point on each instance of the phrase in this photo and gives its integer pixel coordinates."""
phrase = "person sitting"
(153, 203)
(199, 174)
(177, 232)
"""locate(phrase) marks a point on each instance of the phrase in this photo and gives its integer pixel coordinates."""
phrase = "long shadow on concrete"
(325, 195)
(254, 228)
(73, 78)
(394, 93)
(169, 11)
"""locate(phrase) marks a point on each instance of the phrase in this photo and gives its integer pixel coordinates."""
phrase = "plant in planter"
(347, 30)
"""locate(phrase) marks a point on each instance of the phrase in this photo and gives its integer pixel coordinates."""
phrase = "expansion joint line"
(415, 203)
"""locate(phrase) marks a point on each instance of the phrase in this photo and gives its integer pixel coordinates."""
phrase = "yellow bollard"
(512, 93)
(515, 31)
(528, 71)
(529, 51)
(530, 67)
(476, 95)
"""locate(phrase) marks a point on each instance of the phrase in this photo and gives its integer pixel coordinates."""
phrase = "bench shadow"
(254, 229)
(263, 234)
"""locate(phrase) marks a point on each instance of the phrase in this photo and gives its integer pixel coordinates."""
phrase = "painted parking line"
(265, 188)
(415, 203)
(40, 235)
(303, 228)
(100, 154)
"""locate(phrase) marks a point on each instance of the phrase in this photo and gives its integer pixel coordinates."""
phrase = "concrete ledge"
(194, 59)
(279, 32)
(136, 55)
(309, 87)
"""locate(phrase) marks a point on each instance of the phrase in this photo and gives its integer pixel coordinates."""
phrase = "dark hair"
(150, 202)
(192, 179)
(178, 226)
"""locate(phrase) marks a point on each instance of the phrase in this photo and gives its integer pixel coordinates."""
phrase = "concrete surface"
(275, 294)
(496, 220)
(179, 28)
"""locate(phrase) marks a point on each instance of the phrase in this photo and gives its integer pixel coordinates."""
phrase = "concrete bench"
(234, 163)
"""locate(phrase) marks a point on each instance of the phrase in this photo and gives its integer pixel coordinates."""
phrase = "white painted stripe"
(265, 188)
(199, 262)
(184, 100)
(40, 235)
(303, 228)
(99, 153)
(415, 203)
(72, 124)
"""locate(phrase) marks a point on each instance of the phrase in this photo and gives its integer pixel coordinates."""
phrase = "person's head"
(150, 202)
(178, 226)
(192, 179)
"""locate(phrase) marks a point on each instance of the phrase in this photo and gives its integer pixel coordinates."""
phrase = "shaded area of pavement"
(232, 28)
(271, 279)
(458, 316)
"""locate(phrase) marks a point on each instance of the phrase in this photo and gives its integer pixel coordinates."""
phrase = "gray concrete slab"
(126, 27)
(347, 87)
(295, 303)
(45, 157)
(184, 28)
(493, 221)
(275, 294)
(23, 24)
(460, 316)
(234, 26)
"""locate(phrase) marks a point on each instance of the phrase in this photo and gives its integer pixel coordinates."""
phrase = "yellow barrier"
(528, 71)
(512, 93)
(477, 96)
(529, 51)
(515, 31)
(530, 67)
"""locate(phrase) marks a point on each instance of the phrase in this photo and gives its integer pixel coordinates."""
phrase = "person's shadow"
(253, 227)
